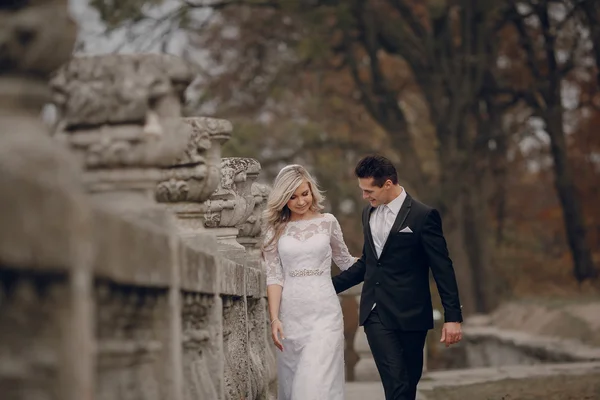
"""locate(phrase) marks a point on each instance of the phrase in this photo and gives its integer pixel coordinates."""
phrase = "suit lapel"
(367, 224)
(400, 218)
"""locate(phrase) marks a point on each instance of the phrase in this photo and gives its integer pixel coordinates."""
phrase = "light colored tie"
(382, 226)
(382, 232)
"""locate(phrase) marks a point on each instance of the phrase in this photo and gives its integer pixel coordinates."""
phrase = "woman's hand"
(277, 333)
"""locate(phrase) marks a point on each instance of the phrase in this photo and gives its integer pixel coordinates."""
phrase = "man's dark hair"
(377, 167)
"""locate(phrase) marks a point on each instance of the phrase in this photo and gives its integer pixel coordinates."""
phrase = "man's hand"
(451, 333)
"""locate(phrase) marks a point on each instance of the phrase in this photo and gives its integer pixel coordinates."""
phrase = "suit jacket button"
(379, 263)
(377, 283)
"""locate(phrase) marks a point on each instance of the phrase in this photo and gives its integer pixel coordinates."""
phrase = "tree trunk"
(592, 13)
(500, 177)
(463, 196)
(476, 236)
(453, 227)
(498, 164)
(448, 199)
(410, 169)
(583, 267)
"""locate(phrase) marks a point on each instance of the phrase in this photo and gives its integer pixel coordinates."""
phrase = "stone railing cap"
(116, 88)
(212, 126)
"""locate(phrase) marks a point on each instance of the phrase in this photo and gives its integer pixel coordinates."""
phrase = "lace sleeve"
(339, 251)
(272, 262)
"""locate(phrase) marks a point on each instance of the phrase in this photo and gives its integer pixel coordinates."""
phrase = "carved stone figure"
(195, 174)
(121, 115)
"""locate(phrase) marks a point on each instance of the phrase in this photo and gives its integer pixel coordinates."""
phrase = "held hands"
(451, 333)
(277, 333)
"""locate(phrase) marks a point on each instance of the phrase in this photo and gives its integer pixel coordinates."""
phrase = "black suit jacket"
(399, 280)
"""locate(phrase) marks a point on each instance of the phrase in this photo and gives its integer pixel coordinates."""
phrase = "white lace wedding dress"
(311, 366)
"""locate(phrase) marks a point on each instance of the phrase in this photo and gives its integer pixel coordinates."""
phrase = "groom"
(403, 239)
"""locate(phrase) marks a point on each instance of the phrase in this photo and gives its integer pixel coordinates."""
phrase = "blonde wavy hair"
(277, 213)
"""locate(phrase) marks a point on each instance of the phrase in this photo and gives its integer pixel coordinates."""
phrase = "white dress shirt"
(382, 220)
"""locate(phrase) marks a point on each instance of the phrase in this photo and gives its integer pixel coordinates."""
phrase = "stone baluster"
(232, 215)
(121, 116)
(194, 176)
(250, 230)
(45, 251)
(232, 204)
(185, 186)
(263, 369)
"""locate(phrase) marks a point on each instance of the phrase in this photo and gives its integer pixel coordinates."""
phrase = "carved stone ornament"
(252, 226)
(121, 115)
(233, 202)
(120, 89)
(196, 173)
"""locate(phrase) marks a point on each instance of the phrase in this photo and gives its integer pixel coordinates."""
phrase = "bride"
(298, 247)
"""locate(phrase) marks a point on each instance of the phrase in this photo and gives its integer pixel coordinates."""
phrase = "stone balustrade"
(129, 266)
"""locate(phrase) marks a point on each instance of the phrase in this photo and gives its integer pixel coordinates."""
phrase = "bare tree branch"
(526, 42)
(408, 15)
(591, 10)
(220, 5)
(366, 97)
(549, 47)
(570, 64)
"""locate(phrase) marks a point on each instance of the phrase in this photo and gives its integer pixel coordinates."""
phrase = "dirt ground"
(580, 387)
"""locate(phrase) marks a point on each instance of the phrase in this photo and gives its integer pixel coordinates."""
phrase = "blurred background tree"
(488, 109)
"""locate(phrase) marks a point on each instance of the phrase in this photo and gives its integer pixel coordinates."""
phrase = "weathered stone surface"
(249, 234)
(232, 205)
(199, 269)
(130, 250)
(254, 278)
(257, 343)
(38, 219)
(113, 295)
(121, 116)
(233, 202)
(30, 338)
(202, 346)
(36, 37)
(195, 175)
(38, 179)
(127, 145)
(235, 348)
(120, 89)
(490, 374)
(493, 347)
(207, 133)
(231, 278)
(131, 330)
(45, 242)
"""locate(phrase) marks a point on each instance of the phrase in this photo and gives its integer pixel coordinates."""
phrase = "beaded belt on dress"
(306, 272)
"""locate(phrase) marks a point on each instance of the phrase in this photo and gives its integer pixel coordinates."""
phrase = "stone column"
(231, 207)
(121, 116)
(185, 187)
(45, 252)
(263, 371)
(194, 177)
